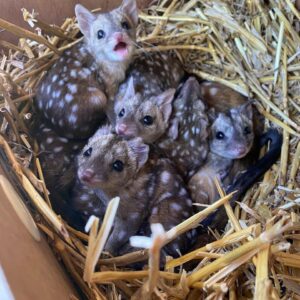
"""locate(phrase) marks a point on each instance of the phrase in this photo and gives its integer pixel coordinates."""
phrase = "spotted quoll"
(231, 138)
(151, 74)
(222, 98)
(178, 127)
(149, 188)
(73, 96)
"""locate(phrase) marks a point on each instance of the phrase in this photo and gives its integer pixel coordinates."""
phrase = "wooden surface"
(50, 11)
(31, 269)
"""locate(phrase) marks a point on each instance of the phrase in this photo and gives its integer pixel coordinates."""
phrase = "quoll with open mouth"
(76, 90)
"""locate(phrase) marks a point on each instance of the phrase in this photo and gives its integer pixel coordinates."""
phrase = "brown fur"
(231, 138)
(150, 189)
(74, 94)
(179, 128)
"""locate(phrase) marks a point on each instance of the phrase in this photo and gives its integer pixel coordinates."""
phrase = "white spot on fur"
(63, 140)
(154, 211)
(77, 63)
(75, 108)
(72, 88)
(58, 149)
(92, 89)
(192, 143)
(48, 89)
(165, 177)
(73, 118)
(69, 98)
(61, 83)
(186, 135)
(54, 78)
(84, 197)
(73, 73)
(49, 140)
(165, 195)
(176, 206)
(182, 192)
(213, 91)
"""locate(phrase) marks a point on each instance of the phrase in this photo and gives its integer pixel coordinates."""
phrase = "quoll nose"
(118, 36)
(87, 175)
(121, 129)
(241, 149)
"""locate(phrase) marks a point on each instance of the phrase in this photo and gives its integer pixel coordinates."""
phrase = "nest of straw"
(250, 46)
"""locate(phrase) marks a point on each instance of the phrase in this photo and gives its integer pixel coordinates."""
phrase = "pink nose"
(118, 36)
(240, 149)
(121, 129)
(87, 175)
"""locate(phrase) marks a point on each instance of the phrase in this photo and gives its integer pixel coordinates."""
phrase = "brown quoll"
(75, 92)
(149, 188)
(178, 127)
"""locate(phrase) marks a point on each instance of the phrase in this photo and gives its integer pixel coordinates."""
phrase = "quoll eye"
(121, 113)
(88, 152)
(148, 120)
(118, 166)
(100, 34)
(220, 135)
(247, 130)
(125, 25)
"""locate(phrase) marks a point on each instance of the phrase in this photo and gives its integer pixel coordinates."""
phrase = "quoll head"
(108, 162)
(110, 35)
(232, 133)
(145, 118)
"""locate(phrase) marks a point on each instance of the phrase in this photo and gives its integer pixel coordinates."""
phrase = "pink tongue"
(121, 48)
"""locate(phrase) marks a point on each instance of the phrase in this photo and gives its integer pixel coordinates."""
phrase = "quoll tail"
(245, 180)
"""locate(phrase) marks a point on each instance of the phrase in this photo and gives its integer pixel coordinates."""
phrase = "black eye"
(220, 135)
(118, 166)
(247, 130)
(148, 120)
(121, 113)
(125, 25)
(100, 34)
(88, 152)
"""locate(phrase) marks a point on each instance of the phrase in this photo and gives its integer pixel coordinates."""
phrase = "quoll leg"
(202, 188)
(123, 229)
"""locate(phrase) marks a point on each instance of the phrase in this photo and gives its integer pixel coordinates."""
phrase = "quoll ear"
(212, 115)
(140, 150)
(130, 91)
(247, 109)
(164, 102)
(130, 9)
(85, 19)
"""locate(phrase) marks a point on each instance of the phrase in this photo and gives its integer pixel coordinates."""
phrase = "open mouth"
(121, 46)
(121, 49)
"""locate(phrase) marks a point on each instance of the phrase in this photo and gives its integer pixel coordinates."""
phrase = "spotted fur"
(231, 138)
(149, 188)
(73, 96)
(179, 127)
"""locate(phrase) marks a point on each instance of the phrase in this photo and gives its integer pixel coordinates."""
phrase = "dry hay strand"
(250, 46)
